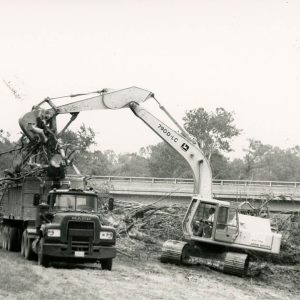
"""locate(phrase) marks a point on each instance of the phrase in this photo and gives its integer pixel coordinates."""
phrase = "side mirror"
(36, 199)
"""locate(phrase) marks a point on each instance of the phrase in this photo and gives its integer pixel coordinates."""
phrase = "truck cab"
(70, 229)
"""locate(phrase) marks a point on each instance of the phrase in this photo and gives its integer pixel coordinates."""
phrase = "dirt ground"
(139, 279)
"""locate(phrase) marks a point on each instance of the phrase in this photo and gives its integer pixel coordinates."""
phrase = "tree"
(131, 164)
(164, 161)
(213, 130)
(255, 153)
(82, 139)
(6, 158)
(236, 170)
(94, 163)
(266, 162)
(219, 166)
(78, 143)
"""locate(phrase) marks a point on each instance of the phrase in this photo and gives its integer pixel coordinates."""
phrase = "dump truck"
(55, 221)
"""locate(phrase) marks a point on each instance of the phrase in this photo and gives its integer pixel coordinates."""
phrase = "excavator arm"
(186, 148)
(41, 124)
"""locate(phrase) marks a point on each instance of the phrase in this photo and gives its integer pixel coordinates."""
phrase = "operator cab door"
(204, 220)
(227, 228)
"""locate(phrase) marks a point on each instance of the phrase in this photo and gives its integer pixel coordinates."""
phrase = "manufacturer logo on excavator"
(185, 147)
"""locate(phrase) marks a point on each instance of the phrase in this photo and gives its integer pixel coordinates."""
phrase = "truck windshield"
(75, 202)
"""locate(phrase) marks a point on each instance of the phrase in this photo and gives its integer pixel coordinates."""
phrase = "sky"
(240, 55)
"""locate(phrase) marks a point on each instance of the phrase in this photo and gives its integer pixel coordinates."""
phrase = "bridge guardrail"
(190, 180)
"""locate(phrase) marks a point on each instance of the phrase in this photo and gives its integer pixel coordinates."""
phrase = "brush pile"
(289, 226)
(142, 229)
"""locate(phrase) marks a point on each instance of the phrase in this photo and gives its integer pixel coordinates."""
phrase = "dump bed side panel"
(17, 201)
(31, 186)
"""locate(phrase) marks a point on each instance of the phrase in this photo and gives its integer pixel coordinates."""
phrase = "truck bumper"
(94, 253)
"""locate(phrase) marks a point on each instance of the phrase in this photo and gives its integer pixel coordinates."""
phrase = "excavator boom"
(108, 99)
(32, 121)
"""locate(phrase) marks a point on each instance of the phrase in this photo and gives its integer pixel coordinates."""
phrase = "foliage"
(164, 161)
(6, 160)
(93, 163)
(260, 162)
(131, 164)
(266, 162)
(220, 166)
(81, 140)
(213, 130)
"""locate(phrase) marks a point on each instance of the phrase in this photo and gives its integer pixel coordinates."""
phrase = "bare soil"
(139, 279)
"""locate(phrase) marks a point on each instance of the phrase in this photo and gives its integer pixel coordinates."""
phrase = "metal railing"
(190, 181)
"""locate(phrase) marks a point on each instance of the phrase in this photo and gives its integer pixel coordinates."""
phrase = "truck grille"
(80, 236)
(81, 225)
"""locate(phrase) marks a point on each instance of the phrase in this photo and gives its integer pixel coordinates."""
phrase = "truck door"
(227, 227)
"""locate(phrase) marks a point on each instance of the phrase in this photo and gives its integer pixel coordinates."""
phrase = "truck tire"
(4, 237)
(43, 260)
(23, 242)
(106, 264)
(12, 239)
(28, 252)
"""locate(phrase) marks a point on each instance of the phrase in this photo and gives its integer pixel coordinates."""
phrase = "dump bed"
(17, 201)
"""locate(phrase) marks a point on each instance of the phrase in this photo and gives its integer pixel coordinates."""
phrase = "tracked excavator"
(214, 232)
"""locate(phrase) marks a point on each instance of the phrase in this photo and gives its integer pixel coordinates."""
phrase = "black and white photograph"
(149, 149)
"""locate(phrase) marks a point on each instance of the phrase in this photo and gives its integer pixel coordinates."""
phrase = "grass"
(130, 279)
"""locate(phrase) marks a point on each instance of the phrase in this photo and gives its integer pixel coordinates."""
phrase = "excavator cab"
(211, 220)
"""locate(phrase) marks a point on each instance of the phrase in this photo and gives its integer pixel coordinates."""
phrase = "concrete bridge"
(281, 196)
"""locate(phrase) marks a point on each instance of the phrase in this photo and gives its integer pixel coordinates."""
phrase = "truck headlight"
(53, 232)
(106, 235)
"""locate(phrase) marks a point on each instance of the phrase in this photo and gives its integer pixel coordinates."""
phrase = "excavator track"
(236, 263)
(178, 252)
(174, 251)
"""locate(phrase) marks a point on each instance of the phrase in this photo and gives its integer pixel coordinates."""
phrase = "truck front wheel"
(43, 259)
(106, 264)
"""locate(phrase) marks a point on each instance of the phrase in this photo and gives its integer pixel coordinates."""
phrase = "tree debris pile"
(289, 226)
(142, 229)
